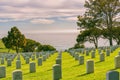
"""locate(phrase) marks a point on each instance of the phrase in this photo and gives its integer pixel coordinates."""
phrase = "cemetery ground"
(71, 70)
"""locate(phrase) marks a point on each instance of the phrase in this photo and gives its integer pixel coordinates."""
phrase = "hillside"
(3, 49)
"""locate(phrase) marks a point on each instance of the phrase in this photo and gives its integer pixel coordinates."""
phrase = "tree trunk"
(96, 42)
(118, 42)
(110, 41)
(17, 49)
(8, 50)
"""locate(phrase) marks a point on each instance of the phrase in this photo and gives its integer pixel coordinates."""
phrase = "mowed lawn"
(43, 72)
(71, 70)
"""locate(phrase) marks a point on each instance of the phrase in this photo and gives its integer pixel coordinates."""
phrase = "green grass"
(3, 49)
(71, 70)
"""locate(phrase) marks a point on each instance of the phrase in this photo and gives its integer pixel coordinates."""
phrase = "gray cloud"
(33, 9)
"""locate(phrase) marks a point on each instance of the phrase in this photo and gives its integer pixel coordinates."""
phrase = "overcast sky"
(32, 16)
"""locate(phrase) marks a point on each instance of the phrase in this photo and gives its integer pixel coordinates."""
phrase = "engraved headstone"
(57, 73)
(33, 57)
(58, 61)
(107, 52)
(76, 56)
(18, 57)
(27, 60)
(112, 75)
(44, 57)
(9, 62)
(87, 53)
(32, 67)
(93, 54)
(102, 57)
(17, 75)
(90, 66)
(2, 61)
(18, 64)
(81, 60)
(117, 61)
(2, 71)
(39, 61)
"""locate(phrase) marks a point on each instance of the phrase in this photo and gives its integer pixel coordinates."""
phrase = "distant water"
(60, 41)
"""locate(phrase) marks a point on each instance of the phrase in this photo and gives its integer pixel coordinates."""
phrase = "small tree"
(46, 48)
(15, 39)
(31, 45)
(7, 43)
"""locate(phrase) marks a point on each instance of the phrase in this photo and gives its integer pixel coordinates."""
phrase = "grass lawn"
(71, 70)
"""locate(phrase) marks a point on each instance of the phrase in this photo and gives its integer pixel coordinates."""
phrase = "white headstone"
(90, 66)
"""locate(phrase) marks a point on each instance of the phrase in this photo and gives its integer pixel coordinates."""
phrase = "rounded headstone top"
(112, 72)
(32, 62)
(117, 56)
(90, 60)
(17, 71)
(56, 65)
(2, 66)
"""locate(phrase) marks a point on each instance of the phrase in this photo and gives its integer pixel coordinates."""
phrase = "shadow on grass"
(76, 65)
(99, 61)
(113, 69)
(49, 70)
(26, 73)
(84, 74)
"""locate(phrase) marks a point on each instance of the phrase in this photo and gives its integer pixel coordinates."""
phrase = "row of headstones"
(88, 50)
(102, 58)
(93, 53)
(9, 60)
(81, 58)
(57, 73)
(37, 55)
(17, 74)
(57, 68)
(8, 56)
(107, 51)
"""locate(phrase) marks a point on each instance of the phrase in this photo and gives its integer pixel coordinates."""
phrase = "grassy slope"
(70, 69)
(73, 71)
(3, 49)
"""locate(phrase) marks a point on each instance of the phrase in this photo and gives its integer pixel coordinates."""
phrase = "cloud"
(40, 9)
(69, 18)
(4, 20)
(42, 21)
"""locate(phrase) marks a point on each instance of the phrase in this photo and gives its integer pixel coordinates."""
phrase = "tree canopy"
(101, 15)
(15, 39)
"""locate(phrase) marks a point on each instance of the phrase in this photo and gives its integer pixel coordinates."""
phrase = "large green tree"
(15, 39)
(104, 12)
